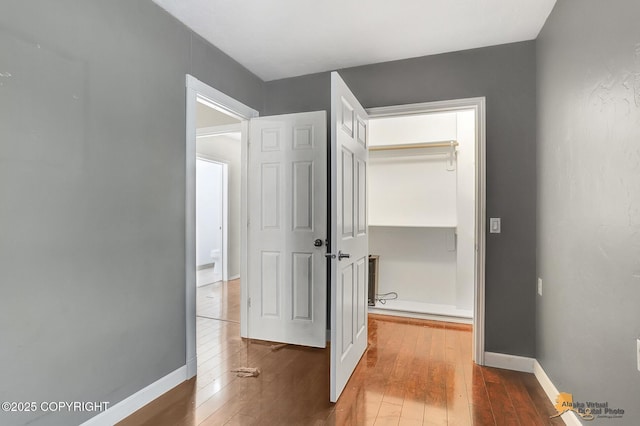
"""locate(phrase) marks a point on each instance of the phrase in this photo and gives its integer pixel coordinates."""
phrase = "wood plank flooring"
(414, 372)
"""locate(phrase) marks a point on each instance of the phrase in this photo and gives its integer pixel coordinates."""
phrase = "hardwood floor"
(414, 372)
(220, 300)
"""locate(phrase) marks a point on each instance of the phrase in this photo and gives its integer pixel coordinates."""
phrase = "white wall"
(227, 149)
(466, 199)
(208, 213)
(412, 129)
(412, 187)
(417, 263)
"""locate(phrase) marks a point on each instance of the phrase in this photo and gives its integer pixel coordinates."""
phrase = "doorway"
(211, 221)
(215, 124)
(423, 236)
(439, 149)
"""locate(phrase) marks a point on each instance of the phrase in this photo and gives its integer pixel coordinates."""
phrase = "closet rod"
(443, 144)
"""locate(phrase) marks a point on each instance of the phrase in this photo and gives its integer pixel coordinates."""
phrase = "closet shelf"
(417, 145)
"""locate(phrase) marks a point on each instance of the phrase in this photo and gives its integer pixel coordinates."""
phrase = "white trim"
(133, 403)
(419, 315)
(481, 212)
(225, 221)
(509, 362)
(211, 158)
(234, 277)
(244, 234)
(570, 418)
(424, 107)
(197, 91)
(220, 101)
(479, 106)
(190, 232)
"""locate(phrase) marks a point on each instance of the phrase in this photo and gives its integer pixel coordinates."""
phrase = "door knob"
(317, 242)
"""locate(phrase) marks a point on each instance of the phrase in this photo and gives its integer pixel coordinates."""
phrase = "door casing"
(478, 105)
(197, 89)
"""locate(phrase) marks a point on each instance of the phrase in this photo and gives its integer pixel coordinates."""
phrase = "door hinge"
(249, 302)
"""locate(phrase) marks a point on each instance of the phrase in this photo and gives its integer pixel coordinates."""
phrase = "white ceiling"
(284, 38)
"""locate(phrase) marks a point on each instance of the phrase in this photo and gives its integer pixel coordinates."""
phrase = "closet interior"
(421, 215)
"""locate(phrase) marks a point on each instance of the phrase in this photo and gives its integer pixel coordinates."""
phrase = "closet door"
(349, 234)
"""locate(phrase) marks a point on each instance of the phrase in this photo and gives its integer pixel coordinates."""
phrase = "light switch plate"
(494, 225)
(540, 286)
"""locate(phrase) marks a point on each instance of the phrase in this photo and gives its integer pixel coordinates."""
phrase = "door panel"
(270, 197)
(347, 193)
(287, 207)
(349, 235)
(269, 284)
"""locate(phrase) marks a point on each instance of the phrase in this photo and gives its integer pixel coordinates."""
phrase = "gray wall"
(505, 75)
(92, 190)
(589, 201)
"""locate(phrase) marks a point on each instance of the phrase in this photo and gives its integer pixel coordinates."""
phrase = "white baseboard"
(418, 315)
(570, 418)
(509, 362)
(205, 266)
(233, 277)
(192, 367)
(133, 403)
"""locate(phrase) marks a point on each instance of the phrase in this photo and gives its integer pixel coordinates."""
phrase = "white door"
(287, 210)
(349, 234)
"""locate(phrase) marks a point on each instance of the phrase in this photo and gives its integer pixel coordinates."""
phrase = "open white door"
(287, 210)
(349, 233)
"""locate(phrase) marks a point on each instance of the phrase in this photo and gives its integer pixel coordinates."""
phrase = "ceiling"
(210, 117)
(282, 38)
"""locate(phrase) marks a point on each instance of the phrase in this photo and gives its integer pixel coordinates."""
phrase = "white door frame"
(225, 211)
(195, 89)
(478, 105)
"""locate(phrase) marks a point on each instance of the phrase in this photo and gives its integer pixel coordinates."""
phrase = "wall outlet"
(638, 352)
(540, 286)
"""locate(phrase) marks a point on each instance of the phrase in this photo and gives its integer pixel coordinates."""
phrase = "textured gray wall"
(589, 201)
(505, 75)
(92, 190)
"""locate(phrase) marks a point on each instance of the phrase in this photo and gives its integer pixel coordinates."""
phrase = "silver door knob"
(342, 255)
